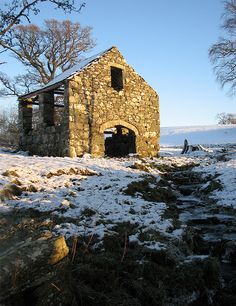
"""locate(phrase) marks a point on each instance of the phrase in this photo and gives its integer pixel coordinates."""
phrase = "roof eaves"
(68, 74)
(38, 91)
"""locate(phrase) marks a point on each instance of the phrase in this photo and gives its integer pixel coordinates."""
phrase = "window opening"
(117, 78)
(35, 116)
(58, 108)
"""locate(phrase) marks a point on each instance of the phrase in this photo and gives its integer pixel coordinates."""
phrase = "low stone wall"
(49, 141)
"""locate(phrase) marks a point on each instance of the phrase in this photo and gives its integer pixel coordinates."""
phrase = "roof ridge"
(73, 70)
(68, 73)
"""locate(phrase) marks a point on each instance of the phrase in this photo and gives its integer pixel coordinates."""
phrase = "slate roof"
(58, 80)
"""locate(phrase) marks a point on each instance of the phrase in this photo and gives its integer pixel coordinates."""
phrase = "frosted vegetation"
(94, 193)
(168, 220)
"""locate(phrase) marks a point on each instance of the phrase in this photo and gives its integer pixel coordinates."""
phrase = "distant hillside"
(212, 134)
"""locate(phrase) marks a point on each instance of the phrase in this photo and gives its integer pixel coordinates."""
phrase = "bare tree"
(45, 52)
(14, 12)
(17, 85)
(223, 53)
(226, 118)
(9, 127)
(17, 10)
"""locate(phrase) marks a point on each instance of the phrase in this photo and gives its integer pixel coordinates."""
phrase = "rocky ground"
(156, 231)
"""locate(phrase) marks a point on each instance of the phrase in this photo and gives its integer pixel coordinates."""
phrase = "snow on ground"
(212, 134)
(81, 188)
(225, 171)
(220, 163)
(224, 136)
(88, 193)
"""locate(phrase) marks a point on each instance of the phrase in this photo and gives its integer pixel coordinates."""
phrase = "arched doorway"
(119, 141)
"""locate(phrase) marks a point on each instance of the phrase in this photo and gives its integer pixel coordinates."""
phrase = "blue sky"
(167, 42)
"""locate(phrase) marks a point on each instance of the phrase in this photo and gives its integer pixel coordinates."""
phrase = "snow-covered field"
(212, 134)
(80, 188)
(89, 193)
(149, 219)
(219, 162)
(220, 135)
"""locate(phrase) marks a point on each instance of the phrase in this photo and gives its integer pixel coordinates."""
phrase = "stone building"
(100, 106)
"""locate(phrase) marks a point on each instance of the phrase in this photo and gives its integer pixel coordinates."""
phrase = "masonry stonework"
(92, 106)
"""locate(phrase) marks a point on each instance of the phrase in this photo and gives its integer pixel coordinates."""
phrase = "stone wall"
(47, 139)
(95, 106)
(96, 99)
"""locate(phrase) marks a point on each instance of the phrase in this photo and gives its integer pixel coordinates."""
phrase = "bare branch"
(19, 85)
(226, 118)
(223, 53)
(45, 52)
(18, 9)
(15, 11)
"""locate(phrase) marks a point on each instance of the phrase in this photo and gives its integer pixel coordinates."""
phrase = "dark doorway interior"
(119, 141)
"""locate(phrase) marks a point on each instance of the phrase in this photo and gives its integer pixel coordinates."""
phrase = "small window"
(116, 78)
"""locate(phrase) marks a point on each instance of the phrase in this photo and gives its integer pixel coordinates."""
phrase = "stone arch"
(119, 138)
(112, 123)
